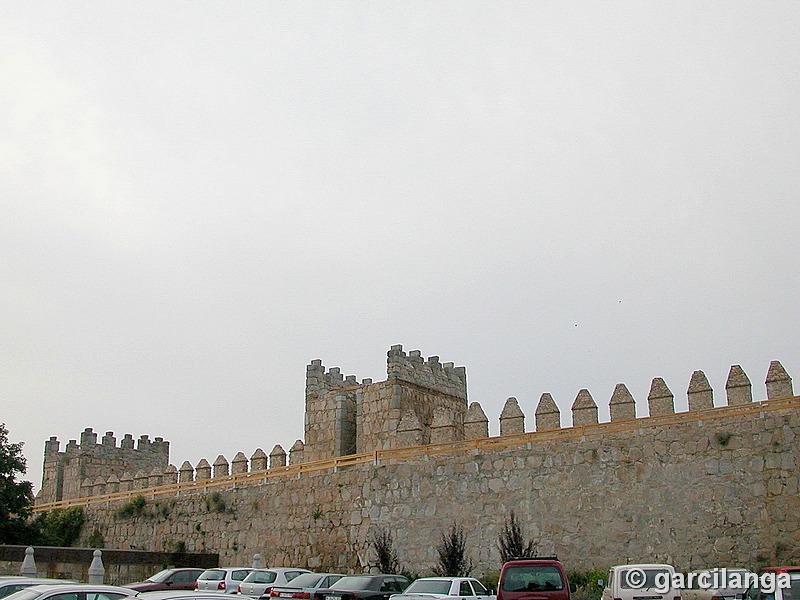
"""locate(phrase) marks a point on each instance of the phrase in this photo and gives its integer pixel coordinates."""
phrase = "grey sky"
(200, 198)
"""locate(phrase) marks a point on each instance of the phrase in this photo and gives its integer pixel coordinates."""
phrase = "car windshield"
(26, 595)
(353, 583)
(160, 576)
(429, 586)
(306, 580)
(530, 578)
(793, 592)
(261, 577)
(649, 578)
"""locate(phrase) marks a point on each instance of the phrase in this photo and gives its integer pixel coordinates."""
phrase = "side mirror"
(168, 582)
(573, 588)
(600, 583)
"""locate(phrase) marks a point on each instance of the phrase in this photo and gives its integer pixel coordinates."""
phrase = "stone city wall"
(713, 487)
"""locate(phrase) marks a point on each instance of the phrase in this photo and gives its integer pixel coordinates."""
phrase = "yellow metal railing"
(491, 443)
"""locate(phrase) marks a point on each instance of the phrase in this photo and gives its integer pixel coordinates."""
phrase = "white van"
(641, 582)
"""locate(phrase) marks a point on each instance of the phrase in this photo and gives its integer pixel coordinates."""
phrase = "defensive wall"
(705, 487)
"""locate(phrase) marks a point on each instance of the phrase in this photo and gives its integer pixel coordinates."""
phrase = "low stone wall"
(710, 488)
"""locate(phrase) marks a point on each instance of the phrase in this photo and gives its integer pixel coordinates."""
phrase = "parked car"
(72, 591)
(259, 582)
(168, 579)
(177, 595)
(626, 582)
(445, 588)
(791, 593)
(373, 587)
(221, 579)
(715, 584)
(539, 578)
(10, 585)
(303, 586)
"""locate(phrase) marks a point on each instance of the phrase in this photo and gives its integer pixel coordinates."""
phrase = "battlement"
(65, 471)
(88, 443)
(428, 373)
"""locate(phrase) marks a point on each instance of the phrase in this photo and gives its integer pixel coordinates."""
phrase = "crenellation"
(700, 395)
(296, 452)
(778, 382)
(221, 467)
(186, 472)
(171, 475)
(547, 415)
(584, 409)
(512, 419)
(88, 437)
(476, 423)
(109, 439)
(127, 442)
(239, 463)
(622, 406)
(738, 387)
(258, 461)
(202, 471)
(277, 458)
(660, 400)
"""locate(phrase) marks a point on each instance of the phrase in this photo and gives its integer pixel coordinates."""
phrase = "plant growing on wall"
(383, 544)
(511, 542)
(135, 507)
(452, 550)
(60, 526)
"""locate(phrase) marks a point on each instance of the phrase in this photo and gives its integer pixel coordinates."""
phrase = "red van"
(533, 579)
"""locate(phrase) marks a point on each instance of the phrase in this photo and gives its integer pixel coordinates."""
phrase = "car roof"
(40, 580)
(66, 587)
(643, 566)
(166, 594)
(780, 569)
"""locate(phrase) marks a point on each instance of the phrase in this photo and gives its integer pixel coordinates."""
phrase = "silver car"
(303, 586)
(261, 581)
(222, 579)
(72, 591)
(10, 585)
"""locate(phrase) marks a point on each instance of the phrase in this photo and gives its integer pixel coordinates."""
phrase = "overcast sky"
(200, 198)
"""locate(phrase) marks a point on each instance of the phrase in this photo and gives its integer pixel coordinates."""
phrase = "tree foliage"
(511, 542)
(383, 544)
(60, 526)
(452, 549)
(16, 497)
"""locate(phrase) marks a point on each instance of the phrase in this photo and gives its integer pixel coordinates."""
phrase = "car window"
(65, 596)
(7, 590)
(650, 576)
(240, 575)
(262, 577)
(310, 580)
(104, 596)
(292, 574)
(429, 586)
(184, 577)
(331, 579)
(213, 575)
(532, 578)
(465, 589)
(479, 589)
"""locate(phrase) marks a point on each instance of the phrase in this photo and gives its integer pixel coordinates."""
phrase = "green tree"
(16, 497)
(60, 526)
(511, 542)
(452, 549)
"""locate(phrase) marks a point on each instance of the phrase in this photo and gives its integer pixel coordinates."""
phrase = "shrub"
(60, 526)
(135, 507)
(511, 542)
(383, 544)
(452, 549)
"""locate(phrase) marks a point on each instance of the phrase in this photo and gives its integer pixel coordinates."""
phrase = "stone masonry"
(708, 487)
